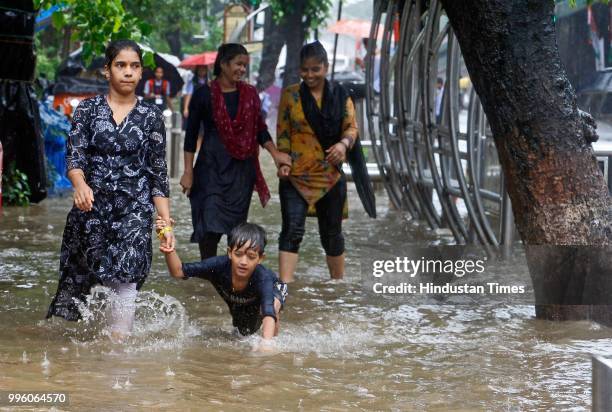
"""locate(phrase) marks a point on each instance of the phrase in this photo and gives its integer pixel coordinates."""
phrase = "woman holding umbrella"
(199, 64)
(227, 170)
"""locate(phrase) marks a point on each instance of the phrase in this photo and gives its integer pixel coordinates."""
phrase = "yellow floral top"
(310, 174)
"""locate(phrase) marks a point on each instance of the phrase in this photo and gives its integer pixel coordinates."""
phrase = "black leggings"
(208, 246)
(329, 214)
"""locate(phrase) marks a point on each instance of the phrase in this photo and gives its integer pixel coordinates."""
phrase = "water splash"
(117, 386)
(160, 322)
(24, 357)
(342, 339)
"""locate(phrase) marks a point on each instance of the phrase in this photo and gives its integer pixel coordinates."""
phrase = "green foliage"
(47, 60)
(215, 35)
(315, 11)
(15, 187)
(179, 16)
(95, 22)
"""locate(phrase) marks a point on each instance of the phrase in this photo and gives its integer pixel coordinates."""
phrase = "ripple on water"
(337, 343)
(12, 252)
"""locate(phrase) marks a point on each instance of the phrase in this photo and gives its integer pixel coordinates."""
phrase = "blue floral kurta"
(125, 166)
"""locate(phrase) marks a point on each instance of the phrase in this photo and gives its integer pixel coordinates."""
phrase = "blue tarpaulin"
(43, 20)
(55, 127)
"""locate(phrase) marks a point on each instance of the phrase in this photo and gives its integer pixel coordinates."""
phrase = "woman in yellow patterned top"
(316, 126)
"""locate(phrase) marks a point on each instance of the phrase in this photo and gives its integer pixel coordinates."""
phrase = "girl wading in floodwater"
(316, 125)
(221, 183)
(115, 159)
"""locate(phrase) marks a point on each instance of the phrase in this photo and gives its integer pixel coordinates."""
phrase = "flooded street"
(340, 348)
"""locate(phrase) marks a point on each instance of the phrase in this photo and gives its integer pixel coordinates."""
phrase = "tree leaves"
(96, 22)
(15, 185)
(58, 20)
(315, 11)
(148, 59)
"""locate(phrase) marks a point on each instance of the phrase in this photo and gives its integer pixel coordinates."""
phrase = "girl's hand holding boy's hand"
(161, 223)
(166, 234)
(167, 245)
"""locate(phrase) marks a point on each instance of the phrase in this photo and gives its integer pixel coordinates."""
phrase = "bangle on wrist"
(162, 232)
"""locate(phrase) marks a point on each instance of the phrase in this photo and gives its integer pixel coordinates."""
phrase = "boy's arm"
(268, 311)
(175, 266)
(268, 327)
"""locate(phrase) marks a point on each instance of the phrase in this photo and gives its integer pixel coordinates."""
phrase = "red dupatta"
(239, 136)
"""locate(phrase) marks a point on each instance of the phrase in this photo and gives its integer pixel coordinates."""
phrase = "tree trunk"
(66, 42)
(174, 42)
(274, 41)
(558, 193)
(295, 33)
(292, 31)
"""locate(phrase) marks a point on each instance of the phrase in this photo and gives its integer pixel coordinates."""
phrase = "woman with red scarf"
(227, 169)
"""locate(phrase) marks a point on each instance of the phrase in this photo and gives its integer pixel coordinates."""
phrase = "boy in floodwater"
(253, 293)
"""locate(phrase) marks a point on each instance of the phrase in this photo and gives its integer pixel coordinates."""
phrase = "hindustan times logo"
(412, 267)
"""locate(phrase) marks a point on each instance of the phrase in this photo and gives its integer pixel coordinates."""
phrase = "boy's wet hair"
(114, 48)
(245, 232)
(314, 50)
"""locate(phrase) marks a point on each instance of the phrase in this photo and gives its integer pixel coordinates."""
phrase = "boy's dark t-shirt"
(250, 305)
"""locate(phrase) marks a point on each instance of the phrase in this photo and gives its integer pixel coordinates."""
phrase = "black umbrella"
(171, 74)
(73, 67)
(356, 160)
(361, 178)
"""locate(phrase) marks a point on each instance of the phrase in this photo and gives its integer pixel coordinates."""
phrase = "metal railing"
(435, 152)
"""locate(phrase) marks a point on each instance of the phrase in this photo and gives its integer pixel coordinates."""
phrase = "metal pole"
(336, 42)
(175, 145)
(602, 384)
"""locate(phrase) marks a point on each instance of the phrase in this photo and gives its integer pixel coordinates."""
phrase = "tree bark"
(558, 193)
(174, 42)
(274, 40)
(295, 33)
(291, 30)
(66, 41)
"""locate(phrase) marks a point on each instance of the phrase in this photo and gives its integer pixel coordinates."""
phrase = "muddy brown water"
(340, 348)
